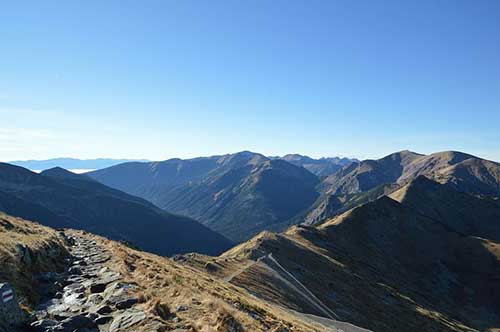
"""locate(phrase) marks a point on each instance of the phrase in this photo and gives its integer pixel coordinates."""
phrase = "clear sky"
(161, 79)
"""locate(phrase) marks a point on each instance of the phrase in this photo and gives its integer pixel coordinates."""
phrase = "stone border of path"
(89, 296)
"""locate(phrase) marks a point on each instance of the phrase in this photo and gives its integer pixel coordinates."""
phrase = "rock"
(25, 254)
(98, 288)
(92, 315)
(11, 314)
(43, 325)
(181, 308)
(94, 299)
(126, 320)
(75, 288)
(47, 277)
(62, 315)
(230, 324)
(125, 304)
(75, 323)
(80, 263)
(39, 315)
(117, 292)
(74, 279)
(71, 241)
(103, 310)
(101, 320)
(75, 270)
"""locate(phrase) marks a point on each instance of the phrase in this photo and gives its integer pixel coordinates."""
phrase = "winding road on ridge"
(331, 318)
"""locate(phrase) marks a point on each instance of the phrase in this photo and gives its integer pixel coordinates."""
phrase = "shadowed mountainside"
(59, 198)
(237, 195)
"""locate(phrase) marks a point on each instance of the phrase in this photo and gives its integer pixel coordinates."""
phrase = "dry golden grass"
(356, 291)
(46, 246)
(213, 305)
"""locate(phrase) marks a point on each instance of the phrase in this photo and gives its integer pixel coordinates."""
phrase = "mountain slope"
(60, 199)
(237, 195)
(457, 211)
(368, 174)
(327, 206)
(382, 266)
(465, 172)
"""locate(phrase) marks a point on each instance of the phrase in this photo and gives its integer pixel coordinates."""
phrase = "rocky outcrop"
(11, 315)
(25, 254)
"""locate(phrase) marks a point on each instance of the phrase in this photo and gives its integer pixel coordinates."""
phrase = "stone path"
(88, 297)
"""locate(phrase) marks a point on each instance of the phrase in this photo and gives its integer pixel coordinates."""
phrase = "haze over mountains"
(70, 163)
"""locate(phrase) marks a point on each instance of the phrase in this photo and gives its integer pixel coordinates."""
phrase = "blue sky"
(161, 79)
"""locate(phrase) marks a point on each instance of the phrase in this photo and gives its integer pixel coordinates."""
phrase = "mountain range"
(360, 183)
(59, 198)
(465, 172)
(242, 194)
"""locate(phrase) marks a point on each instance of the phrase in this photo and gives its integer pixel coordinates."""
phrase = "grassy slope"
(383, 267)
(47, 248)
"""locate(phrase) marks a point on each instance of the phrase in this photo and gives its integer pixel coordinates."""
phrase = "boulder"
(103, 310)
(126, 320)
(75, 323)
(101, 320)
(98, 287)
(25, 254)
(125, 304)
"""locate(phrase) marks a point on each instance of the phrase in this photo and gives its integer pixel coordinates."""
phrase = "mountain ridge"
(235, 194)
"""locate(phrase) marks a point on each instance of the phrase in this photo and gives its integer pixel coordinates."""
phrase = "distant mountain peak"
(62, 173)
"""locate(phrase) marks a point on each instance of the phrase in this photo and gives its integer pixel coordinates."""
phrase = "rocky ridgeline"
(88, 297)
